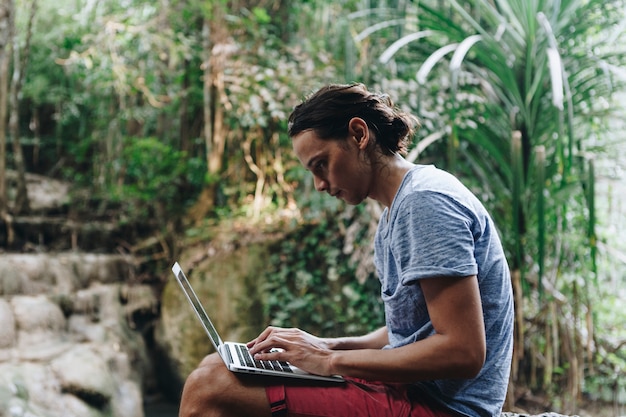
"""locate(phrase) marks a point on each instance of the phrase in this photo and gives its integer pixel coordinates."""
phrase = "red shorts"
(355, 398)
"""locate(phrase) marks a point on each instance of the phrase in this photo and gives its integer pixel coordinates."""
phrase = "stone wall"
(227, 283)
(67, 346)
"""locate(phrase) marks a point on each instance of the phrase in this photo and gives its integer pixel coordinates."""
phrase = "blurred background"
(137, 133)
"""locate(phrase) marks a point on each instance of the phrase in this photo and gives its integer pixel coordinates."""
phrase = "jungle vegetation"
(174, 112)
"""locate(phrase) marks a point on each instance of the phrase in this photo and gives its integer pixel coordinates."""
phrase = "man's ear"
(358, 132)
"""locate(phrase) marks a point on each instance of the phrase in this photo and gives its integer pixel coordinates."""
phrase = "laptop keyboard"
(246, 357)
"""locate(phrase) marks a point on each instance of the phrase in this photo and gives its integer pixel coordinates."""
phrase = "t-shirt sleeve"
(434, 237)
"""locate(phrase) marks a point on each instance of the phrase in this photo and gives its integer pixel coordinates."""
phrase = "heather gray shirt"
(437, 227)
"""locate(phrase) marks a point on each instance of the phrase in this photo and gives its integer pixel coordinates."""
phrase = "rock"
(7, 325)
(8, 332)
(44, 193)
(101, 268)
(40, 327)
(74, 406)
(139, 299)
(227, 285)
(67, 348)
(31, 387)
(128, 400)
(31, 390)
(12, 281)
(63, 273)
(84, 374)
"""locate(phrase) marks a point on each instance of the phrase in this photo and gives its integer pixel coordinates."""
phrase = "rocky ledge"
(67, 346)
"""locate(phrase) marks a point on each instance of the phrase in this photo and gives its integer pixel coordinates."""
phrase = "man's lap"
(355, 398)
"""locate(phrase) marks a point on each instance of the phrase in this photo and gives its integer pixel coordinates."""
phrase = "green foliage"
(151, 168)
(155, 174)
(311, 285)
(511, 94)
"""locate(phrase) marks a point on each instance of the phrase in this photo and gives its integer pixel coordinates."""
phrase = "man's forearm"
(374, 340)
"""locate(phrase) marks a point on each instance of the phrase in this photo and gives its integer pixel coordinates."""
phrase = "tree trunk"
(6, 10)
(215, 51)
(257, 168)
(20, 62)
(215, 35)
(183, 112)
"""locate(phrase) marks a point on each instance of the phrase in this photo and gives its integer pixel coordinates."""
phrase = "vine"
(311, 284)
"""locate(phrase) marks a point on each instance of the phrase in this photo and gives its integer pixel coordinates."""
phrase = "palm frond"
(405, 40)
(432, 60)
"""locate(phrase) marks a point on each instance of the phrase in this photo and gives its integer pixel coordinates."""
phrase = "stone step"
(60, 273)
(52, 233)
(69, 346)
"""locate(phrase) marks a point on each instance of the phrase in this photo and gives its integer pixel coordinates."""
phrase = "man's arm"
(456, 350)
(263, 343)
(374, 340)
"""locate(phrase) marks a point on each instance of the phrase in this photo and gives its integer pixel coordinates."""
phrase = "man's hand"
(307, 352)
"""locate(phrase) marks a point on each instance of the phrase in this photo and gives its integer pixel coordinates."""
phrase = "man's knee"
(204, 388)
(212, 390)
(210, 375)
(211, 360)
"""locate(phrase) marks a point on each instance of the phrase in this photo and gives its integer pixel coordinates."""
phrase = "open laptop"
(236, 355)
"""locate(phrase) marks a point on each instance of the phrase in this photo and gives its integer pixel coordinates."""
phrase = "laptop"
(236, 355)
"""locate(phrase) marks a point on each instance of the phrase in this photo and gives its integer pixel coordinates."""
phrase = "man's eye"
(320, 165)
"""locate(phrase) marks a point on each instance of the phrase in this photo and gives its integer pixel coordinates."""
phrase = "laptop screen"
(197, 306)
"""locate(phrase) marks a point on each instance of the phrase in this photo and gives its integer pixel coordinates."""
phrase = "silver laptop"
(236, 355)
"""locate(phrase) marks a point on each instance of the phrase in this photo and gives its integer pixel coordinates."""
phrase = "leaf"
(462, 50)
(432, 60)
(405, 40)
(378, 26)
(556, 76)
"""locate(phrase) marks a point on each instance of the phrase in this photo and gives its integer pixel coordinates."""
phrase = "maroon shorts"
(355, 398)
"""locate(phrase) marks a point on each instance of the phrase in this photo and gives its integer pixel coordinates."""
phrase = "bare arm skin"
(457, 350)
(374, 340)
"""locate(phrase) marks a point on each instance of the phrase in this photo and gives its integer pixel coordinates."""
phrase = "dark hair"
(329, 110)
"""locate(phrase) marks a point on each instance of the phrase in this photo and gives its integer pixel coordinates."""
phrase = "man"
(446, 347)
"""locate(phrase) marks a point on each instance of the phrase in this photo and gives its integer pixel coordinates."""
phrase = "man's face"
(337, 166)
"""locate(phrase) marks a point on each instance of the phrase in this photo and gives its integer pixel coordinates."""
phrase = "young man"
(447, 344)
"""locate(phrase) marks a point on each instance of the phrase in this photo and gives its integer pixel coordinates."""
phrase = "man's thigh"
(355, 398)
(211, 389)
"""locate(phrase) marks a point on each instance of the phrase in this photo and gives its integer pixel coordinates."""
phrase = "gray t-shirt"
(437, 227)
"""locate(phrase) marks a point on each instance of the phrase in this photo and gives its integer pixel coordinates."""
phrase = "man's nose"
(320, 184)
